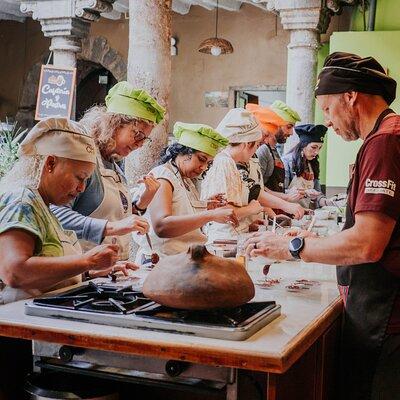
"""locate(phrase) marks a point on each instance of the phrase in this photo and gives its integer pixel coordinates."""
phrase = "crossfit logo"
(380, 187)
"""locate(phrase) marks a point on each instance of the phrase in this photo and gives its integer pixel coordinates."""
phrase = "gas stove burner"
(115, 304)
(103, 304)
(120, 304)
(97, 298)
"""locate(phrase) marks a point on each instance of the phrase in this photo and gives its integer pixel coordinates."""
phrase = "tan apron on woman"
(116, 205)
(185, 201)
(70, 245)
(299, 182)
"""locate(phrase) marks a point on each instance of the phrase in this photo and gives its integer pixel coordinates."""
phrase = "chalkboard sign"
(56, 92)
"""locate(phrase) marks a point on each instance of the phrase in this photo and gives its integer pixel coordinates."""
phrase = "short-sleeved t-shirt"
(224, 177)
(267, 156)
(376, 181)
(251, 176)
(376, 187)
(24, 209)
(239, 183)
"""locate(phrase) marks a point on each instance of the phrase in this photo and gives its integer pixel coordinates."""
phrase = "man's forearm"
(365, 242)
(343, 248)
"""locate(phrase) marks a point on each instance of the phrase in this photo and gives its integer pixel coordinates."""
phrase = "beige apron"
(70, 245)
(187, 202)
(116, 205)
(298, 182)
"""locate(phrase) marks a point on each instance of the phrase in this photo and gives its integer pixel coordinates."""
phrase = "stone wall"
(21, 46)
(259, 58)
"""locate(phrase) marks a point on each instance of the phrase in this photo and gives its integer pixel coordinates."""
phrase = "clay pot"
(198, 280)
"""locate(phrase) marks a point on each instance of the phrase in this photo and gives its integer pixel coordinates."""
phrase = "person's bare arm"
(281, 195)
(166, 225)
(269, 200)
(253, 208)
(19, 268)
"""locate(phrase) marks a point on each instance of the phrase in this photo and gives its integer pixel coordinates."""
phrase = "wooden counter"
(305, 317)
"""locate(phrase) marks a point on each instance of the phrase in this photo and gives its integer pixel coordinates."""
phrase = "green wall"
(384, 44)
(387, 16)
(385, 47)
(319, 118)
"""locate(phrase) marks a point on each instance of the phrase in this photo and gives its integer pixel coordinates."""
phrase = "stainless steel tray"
(257, 322)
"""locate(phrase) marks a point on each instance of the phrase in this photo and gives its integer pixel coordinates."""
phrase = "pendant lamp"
(215, 45)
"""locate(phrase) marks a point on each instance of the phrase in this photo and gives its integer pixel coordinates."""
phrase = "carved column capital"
(298, 14)
(308, 14)
(66, 22)
(87, 10)
(56, 27)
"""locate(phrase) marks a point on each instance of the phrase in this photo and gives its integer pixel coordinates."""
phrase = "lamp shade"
(206, 45)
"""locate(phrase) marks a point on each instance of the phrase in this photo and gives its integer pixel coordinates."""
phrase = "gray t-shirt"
(267, 162)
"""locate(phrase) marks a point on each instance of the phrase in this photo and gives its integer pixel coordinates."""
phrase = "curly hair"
(26, 172)
(101, 125)
(172, 151)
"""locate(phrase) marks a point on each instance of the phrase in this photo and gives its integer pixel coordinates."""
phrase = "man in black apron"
(354, 94)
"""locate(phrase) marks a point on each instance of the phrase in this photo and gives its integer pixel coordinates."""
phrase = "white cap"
(240, 126)
(59, 137)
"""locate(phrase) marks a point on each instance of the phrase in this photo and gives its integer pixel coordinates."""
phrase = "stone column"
(301, 72)
(149, 68)
(301, 18)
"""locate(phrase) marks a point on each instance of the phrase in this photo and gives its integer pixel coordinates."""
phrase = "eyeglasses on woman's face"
(130, 137)
(141, 132)
(140, 137)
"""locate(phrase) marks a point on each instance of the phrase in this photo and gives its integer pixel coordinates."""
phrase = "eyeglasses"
(141, 137)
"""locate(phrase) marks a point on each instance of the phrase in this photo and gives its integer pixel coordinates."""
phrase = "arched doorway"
(94, 81)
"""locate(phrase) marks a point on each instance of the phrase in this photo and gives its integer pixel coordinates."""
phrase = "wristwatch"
(296, 245)
(141, 211)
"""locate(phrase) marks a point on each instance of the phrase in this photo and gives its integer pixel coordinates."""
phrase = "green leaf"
(9, 143)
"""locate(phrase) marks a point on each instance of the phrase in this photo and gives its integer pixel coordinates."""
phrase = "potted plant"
(10, 136)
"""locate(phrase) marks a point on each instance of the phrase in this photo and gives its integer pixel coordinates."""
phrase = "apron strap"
(379, 120)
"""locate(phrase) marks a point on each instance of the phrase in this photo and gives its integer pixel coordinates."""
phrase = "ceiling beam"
(229, 5)
(262, 4)
(121, 6)
(11, 17)
(181, 6)
(9, 10)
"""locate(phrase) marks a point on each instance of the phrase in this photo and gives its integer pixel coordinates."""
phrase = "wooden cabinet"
(313, 376)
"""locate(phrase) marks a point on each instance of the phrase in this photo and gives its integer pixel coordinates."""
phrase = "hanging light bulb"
(215, 45)
(216, 51)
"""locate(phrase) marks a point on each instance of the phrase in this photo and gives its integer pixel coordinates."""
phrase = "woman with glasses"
(176, 214)
(105, 211)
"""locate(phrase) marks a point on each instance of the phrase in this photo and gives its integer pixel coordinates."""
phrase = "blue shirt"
(75, 217)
